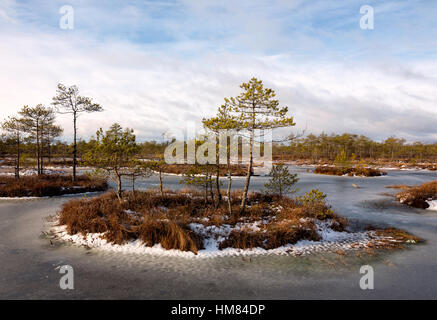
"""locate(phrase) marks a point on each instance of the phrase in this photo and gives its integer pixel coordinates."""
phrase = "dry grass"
(165, 219)
(390, 238)
(351, 171)
(170, 234)
(417, 196)
(398, 186)
(48, 185)
(398, 235)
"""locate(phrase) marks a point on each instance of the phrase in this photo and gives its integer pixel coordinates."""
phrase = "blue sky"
(154, 65)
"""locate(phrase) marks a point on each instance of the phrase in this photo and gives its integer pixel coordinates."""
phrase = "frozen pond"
(29, 264)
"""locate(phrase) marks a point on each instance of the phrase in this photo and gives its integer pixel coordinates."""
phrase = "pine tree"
(111, 152)
(255, 108)
(68, 101)
(281, 181)
(136, 168)
(223, 122)
(342, 160)
(15, 128)
(158, 166)
(34, 121)
(49, 135)
(199, 176)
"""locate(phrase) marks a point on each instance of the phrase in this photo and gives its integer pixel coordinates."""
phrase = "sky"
(154, 66)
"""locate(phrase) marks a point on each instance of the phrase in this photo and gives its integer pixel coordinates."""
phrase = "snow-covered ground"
(432, 205)
(404, 167)
(331, 241)
(21, 198)
(31, 172)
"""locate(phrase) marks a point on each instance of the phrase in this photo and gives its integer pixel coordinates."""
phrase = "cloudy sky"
(154, 65)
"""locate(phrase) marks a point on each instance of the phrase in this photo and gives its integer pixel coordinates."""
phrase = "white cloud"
(153, 88)
(7, 11)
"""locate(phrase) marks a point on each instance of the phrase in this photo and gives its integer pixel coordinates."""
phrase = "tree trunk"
(160, 183)
(211, 192)
(228, 193)
(119, 190)
(42, 152)
(17, 167)
(217, 179)
(206, 193)
(74, 146)
(217, 185)
(38, 148)
(249, 172)
(49, 151)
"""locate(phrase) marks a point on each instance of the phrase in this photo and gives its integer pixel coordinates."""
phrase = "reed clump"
(49, 185)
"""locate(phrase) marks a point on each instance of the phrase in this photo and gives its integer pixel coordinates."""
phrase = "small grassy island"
(183, 221)
(343, 166)
(423, 196)
(349, 171)
(48, 185)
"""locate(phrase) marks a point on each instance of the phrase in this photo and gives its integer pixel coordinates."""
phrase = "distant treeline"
(310, 147)
(327, 147)
(60, 152)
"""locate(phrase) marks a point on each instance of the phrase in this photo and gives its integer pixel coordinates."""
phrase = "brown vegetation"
(380, 163)
(165, 219)
(399, 235)
(350, 171)
(48, 185)
(417, 196)
(398, 186)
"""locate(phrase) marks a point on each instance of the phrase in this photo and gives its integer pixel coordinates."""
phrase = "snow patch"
(331, 241)
(432, 205)
(33, 172)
